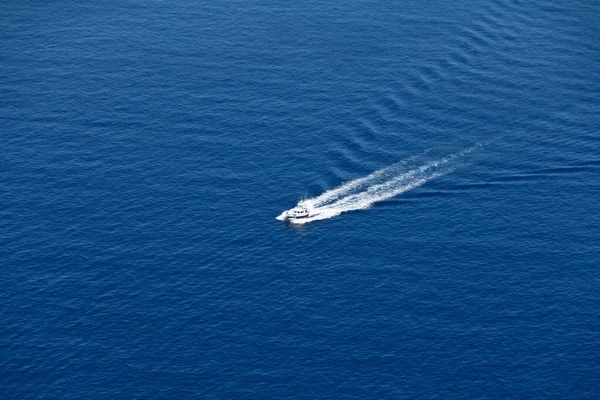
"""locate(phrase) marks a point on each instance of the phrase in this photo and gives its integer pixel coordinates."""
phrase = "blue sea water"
(146, 148)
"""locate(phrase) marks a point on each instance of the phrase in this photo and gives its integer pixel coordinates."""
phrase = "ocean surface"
(146, 148)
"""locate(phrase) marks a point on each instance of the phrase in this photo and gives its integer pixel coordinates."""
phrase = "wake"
(380, 185)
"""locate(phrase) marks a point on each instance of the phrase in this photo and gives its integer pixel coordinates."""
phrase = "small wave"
(380, 185)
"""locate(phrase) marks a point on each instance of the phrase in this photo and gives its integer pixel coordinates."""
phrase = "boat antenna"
(303, 197)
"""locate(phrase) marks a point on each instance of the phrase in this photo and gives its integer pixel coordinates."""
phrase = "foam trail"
(380, 185)
(348, 187)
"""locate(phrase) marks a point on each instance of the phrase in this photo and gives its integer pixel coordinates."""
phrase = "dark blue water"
(147, 146)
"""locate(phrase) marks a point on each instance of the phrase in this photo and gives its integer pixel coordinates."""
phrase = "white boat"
(301, 211)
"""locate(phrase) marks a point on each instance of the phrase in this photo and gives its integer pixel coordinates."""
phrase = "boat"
(301, 211)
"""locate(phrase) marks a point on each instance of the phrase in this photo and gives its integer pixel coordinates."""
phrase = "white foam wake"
(380, 185)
